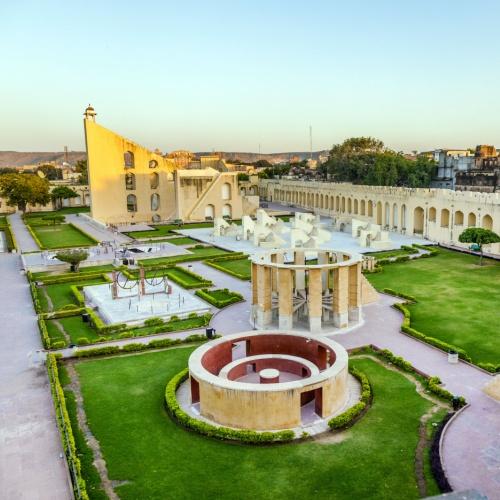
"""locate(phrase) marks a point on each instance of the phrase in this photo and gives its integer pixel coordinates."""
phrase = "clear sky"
(230, 75)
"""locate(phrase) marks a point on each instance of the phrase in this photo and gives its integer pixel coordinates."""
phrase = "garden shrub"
(347, 418)
(223, 433)
(490, 367)
(65, 429)
(58, 344)
(44, 334)
(83, 341)
(390, 291)
(154, 322)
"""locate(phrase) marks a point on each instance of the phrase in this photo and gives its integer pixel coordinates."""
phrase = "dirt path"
(62, 330)
(47, 298)
(99, 462)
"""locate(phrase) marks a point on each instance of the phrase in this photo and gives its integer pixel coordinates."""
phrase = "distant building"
(450, 161)
(484, 175)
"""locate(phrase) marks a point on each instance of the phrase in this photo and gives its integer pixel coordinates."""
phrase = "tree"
(479, 237)
(81, 168)
(21, 189)
(61, 193)
(50, 172)
(73, 257)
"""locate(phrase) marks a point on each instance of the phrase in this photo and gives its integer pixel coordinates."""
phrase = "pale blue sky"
(228, 75)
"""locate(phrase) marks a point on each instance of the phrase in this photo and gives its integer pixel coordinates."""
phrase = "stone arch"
(152, 164)
(337, 203)
(394, 216)
(432, 214)
(487, 222)
(227, 211)
(226, 191)
(356, 206)
(459, 218)
(155, 202)
(154, 180)
(209, 212)
(128, 159)
(362, 210)
(445, 217)
(403, 216)
(418, 220)
(349, 205)
(129, 181)
(131, 203)
(243, 191)
(471, 219)
(369, 210)
(379, 213)
(321, 201)
(387, 214)
(343, 204)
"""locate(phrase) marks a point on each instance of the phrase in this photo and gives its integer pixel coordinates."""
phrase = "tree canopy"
(50, 172)
(73, 257)
(61, 193)
(21, 189)
(81, 168)
(365, 160)
(479, 236)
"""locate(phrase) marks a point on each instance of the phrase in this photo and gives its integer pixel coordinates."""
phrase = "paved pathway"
(30, 446)
(24, 240)
(97, 232)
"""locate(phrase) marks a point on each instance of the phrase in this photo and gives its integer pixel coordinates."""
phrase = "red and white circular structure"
(268, 380)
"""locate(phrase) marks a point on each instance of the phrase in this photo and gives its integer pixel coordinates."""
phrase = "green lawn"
(208, 251)
(61, 236)
(183, 241)
(61, 293)
(62, 211)
(124, 403)
(200, 253)
(166, 230)
(241, 266)
(458, 301)
(390, 253)
(106, 268)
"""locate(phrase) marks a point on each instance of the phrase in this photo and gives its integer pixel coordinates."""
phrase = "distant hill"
(21, 158)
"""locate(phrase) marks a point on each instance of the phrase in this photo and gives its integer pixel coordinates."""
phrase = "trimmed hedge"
(181, 258)
(207, 295)
(213, 262)
(349, 417)
(65, 429)
(63, 313)
(70, 277)
(223, 433)
(390, 291)
(44, 334)
(154, 344)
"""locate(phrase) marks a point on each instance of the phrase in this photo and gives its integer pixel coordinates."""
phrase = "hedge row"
(213, 262)
(102, 327)
(390, 291)
(431, 383)
(223, 433)
(34, 297)
(201, 280)
(69, 310)
(66, 432)
(44, 334)
(406, 328)
(70, 277)
(347, 418)
(232, 297)
(137, 347)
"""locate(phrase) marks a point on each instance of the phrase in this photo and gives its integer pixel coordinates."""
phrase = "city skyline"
(233, 77)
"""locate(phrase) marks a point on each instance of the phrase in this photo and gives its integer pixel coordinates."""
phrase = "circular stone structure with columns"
(268, 380)
(290, 293)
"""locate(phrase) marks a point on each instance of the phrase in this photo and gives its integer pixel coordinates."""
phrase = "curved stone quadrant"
(219, 384)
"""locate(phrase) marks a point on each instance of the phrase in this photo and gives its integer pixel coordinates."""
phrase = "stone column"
(300, 275)
(355, 292)
(285, 286)
(323, 259)
(264, 313)
(340, 297)
(314, 300)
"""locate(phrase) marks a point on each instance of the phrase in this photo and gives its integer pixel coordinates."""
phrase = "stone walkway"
(97, 232)
(24, 240)
(30, 446)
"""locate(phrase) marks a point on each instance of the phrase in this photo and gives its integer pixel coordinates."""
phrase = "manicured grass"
(61, 236)
(390, 253)
(458, 301)
(240, 266)
(183, 241)
(62, 211)
(123, 399)
(61, 293)
(106, 268)
(203, 252)
(166, 230)
(219, 298)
